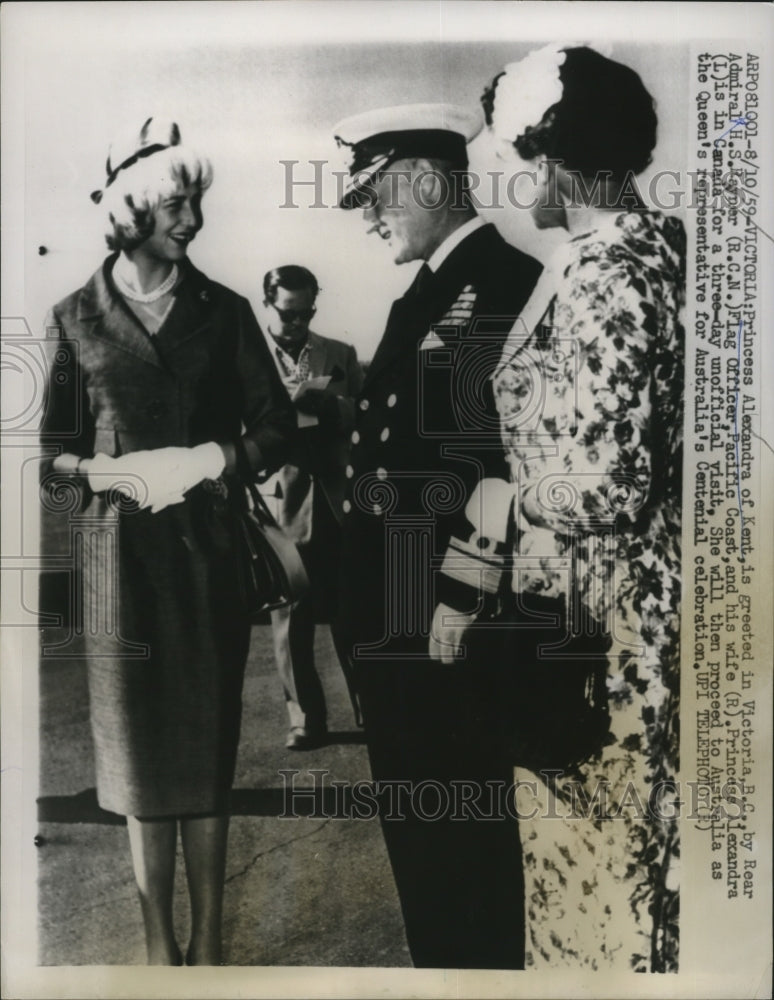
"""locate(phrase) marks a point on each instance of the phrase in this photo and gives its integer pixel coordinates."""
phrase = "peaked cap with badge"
(377, 139)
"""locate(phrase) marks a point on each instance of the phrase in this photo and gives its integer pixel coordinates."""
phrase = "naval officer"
(425, 432)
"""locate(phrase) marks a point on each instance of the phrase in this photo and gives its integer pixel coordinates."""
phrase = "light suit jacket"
(321, 453)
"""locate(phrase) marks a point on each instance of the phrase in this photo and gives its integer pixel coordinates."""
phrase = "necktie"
(420, 288)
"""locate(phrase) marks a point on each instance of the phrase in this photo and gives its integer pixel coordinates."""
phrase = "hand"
(319, 402)
(159, 477)
(140, 476)
(534, 513)
(447, 631)
(489, 507)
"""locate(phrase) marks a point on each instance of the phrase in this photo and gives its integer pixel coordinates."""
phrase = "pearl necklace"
(166, 286)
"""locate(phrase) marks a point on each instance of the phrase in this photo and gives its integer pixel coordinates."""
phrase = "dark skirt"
(167, 636)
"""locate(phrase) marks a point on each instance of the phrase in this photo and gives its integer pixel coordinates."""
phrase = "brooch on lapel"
(459, 313)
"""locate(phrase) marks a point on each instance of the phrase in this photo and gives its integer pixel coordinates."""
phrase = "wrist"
(331, 406)
(98, 471)
(469, 580)
(212, 458)
(476, 568)
(71, 465)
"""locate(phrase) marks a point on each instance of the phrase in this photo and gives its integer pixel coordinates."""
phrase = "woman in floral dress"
(597, 468)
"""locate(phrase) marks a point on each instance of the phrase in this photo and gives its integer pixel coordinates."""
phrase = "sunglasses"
(291, 315)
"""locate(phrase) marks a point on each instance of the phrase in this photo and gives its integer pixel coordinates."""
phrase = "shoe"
(300, 738)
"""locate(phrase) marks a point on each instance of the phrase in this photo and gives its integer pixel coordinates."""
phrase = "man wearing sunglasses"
(310, 489)
(426, 430)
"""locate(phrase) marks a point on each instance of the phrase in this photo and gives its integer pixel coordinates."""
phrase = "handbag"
(550, 680)
(273, 574)
(549, 688)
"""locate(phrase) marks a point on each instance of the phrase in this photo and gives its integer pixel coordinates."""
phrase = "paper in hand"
(318, 382)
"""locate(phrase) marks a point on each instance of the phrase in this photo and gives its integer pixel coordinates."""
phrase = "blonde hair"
(130, 202)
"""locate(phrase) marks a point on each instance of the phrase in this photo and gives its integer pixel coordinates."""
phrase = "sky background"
(250, 86)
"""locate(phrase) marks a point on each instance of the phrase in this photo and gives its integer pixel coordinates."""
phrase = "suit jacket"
(426, 431)
(320, 454)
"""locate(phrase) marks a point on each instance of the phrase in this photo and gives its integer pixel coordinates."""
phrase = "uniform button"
(392, 399)
(364, 404)
(355, 437)
(381, 473)
(349, 472)
(385, 434)
(377, 509)
(347, 506)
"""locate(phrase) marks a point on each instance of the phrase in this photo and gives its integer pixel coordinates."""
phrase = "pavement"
(309, 891)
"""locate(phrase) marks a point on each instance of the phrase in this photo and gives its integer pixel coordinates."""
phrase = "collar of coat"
(101, 307)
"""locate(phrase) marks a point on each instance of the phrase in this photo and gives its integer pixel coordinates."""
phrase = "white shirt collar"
(275, 350)
(453, 240)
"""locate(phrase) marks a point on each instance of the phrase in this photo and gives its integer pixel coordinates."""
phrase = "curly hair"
(132, 199)
(605, 121)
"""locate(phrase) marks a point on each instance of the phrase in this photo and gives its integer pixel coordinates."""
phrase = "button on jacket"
(425, 424)
(320, 453)
(426, 431)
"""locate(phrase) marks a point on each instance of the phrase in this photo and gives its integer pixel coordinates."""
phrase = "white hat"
(133, 145)
(379, 138)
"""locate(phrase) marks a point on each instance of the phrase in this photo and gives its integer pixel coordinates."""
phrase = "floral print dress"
(591, 411)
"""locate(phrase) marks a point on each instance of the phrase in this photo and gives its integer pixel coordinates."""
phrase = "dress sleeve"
(576, 409)
(354, 383)
(586, 459)
(66, 419)
(66, 425)
(267, 414)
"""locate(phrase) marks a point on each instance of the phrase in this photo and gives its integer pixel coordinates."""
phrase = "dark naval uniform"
(425, 433)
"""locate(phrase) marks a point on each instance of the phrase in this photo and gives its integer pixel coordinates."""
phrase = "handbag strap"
(246, 474)
(505, 589)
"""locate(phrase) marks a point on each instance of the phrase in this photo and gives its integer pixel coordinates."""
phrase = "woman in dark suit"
(168, 381)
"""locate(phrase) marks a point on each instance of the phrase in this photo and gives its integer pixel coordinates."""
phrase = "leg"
(343, 648)
(153, 844)
(204, 846)
(293, 635)
(454, 850)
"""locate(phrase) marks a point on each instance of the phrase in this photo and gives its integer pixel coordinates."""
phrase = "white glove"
(180, 469)
(140, 476)
(159, 477)
(205, 461)
(487, 509)
(446, 633)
